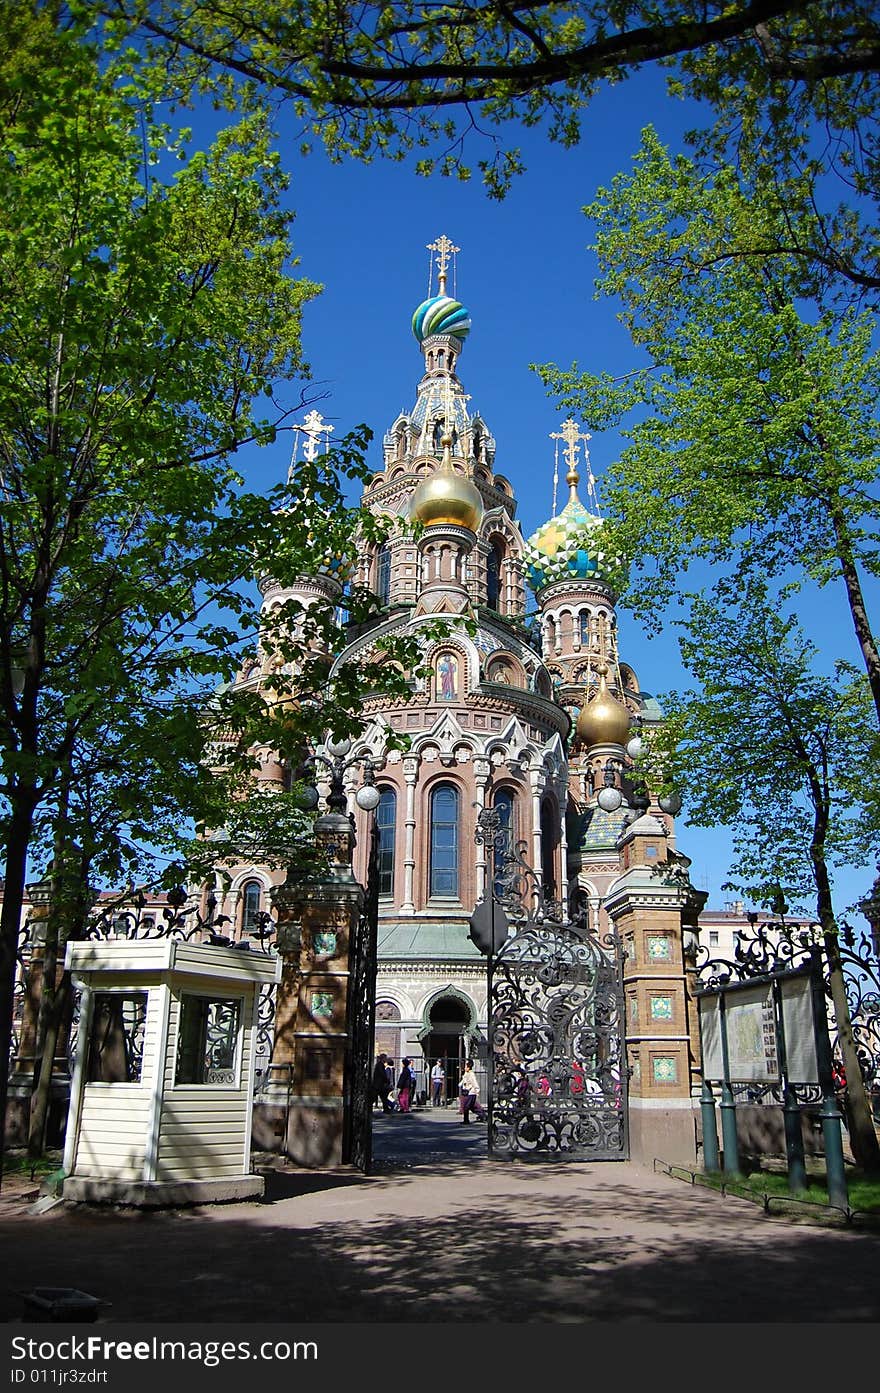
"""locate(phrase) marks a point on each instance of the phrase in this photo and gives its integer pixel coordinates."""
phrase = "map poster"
(751, 1035)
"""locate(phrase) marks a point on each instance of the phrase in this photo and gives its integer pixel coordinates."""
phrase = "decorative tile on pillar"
(321, 1005)
(659, 947)
(664, 1068)
(661, 1008)
(324, 944)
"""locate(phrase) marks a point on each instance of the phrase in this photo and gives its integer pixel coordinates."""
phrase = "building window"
(713, 938)
(116, 1038)
(549, 840)
(503, 803)
(386, 818)
(585, 628)
(383, 573)
(444, 840)
(251, 899)
(207, 1043)
(493, 577)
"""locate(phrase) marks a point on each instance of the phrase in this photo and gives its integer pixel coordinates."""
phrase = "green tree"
(393, 78)
(785, 756)
(754, 415)
(140, 323)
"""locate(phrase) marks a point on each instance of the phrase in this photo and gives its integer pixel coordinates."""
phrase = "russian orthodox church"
(529, 714)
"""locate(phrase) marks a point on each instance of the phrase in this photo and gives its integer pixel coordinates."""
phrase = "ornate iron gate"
(357, 1145)
(557, 1045)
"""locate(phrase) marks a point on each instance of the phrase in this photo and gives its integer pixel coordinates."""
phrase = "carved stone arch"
(503, 485)
(542, 683)
(629, 679)
(448, 993)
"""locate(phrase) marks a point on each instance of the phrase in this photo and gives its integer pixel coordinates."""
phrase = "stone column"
(482, 770)
(410, 774)
(302, 1111)
(646, 905)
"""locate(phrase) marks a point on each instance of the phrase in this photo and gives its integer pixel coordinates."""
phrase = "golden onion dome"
(446, 497)
(603, 721)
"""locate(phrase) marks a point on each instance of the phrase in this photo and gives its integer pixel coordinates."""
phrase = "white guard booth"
(162, 1094)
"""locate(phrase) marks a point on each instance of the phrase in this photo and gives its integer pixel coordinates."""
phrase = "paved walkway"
(440, 1232)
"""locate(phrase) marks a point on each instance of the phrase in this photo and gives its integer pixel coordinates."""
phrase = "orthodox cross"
(444, 249)
(313, 427)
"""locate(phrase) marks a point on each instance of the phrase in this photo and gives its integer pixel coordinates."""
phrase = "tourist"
(381, 1084)
(470, 1093)
(405, 1085)
(438, 1081)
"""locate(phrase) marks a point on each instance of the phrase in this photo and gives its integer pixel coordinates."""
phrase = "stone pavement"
(439, 1232)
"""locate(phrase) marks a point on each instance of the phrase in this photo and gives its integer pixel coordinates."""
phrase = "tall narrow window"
(444, 840)
(503, 803)
(549, 841)
(251, 898)
(383, 573)
(585, 627)
(386, 817)
(493, 578)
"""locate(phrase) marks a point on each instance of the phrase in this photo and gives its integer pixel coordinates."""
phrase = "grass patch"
(20, 1164)
(864, 1193)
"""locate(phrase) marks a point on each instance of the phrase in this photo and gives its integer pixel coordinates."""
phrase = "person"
(381, 1084)
(470, 1093)
(405, 1085)
(438, 1081)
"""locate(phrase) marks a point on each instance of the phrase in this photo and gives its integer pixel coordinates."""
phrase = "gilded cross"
(444, 249)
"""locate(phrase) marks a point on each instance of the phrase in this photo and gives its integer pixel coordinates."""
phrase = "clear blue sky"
(526, 275)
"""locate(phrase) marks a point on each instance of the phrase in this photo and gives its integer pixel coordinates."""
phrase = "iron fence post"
(729, 1139)
(710, 1127)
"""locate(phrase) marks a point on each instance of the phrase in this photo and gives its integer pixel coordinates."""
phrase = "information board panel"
(710, 1036)
(751, 1034)
(800, 1031)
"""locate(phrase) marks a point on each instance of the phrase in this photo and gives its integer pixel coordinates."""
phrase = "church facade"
(529, 714)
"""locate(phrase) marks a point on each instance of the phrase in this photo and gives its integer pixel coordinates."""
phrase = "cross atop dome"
(572, 435)
(444, 249)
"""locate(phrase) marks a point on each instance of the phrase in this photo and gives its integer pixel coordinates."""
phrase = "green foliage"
(769, 745)
(751, 417)
(409, 77)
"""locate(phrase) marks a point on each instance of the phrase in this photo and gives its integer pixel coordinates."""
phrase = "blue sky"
(526, 276)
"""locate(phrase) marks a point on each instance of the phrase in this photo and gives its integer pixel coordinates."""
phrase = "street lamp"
(610, 796)
(367, 796)
(489, 930)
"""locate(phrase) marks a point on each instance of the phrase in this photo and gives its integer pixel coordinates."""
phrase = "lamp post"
(489, 929)
(367, 796)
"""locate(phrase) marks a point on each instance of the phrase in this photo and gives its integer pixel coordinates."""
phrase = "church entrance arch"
(450, 1020)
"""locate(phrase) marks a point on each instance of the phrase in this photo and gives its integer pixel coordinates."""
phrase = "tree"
(140, 322)
(388, 79)
(786, 756)
(754, 416)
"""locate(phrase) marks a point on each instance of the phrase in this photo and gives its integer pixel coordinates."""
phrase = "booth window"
(207, 1044)
(116, 1039)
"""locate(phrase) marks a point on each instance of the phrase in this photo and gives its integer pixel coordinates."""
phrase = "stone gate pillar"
(301, 1113)
(646, 905)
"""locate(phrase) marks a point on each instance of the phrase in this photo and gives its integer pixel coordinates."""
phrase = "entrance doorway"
(449, 1024)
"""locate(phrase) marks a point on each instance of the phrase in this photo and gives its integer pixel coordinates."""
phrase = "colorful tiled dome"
(440, 315)
(568, 547)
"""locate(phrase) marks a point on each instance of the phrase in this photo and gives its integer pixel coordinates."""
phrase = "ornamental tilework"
(665, 1068)
(322, 1004)
(661, 1008)
(659, 947)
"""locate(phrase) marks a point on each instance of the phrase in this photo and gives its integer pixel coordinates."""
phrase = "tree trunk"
(856, 600)
(862, 1133)
(20, 826)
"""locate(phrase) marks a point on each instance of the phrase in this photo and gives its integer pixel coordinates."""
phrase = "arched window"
(503, 803)
(493, 577)
(386, 818)
(549, 840)
(251, 899)
(444, 840)
(585, 626)
(383, 573)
